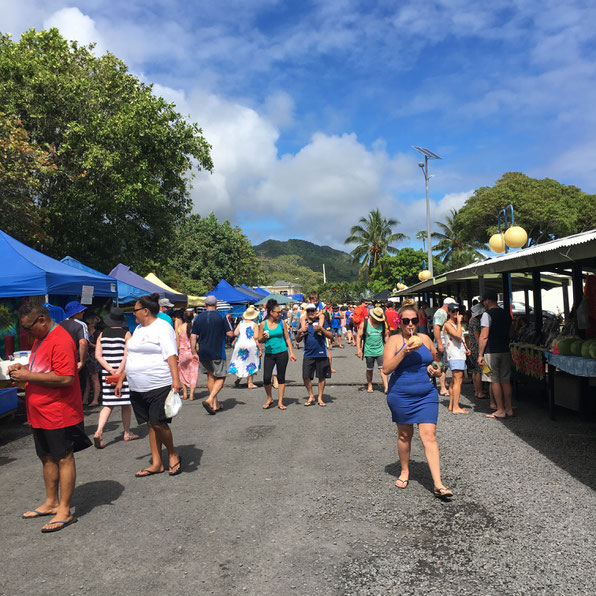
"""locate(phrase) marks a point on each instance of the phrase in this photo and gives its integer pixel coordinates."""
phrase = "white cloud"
(76, 26)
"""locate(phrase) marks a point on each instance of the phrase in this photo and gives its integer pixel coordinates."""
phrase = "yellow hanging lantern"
(400, 287)
(516, 237)
(497, 242)
(424, 275)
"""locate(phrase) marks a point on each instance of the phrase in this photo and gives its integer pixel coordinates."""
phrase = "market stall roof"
(262, 291)
(123, 273)
(382, 296)
(27, 272)
(126, 292)
(192, 300)
(492, 281)
(281, 299)
(225, 291)
(244, 288)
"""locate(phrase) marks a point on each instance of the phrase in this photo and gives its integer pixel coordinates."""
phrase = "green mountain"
(338, 264)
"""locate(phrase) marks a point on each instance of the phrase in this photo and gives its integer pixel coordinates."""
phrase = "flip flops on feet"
(209, 409)
(442, 493)
(176, 468)
(400, 483)
(36, 513)
(98, 442)
(147, 472)
(61, 526)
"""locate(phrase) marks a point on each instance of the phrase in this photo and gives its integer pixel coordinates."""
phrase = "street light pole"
(424, 166)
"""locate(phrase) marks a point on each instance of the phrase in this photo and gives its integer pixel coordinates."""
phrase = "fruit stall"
(557, 356)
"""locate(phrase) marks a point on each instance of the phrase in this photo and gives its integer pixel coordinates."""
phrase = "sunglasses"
(406, 321)
(29, 327)
(138, 309)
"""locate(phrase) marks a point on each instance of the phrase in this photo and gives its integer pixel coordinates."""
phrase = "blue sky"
(312, 107)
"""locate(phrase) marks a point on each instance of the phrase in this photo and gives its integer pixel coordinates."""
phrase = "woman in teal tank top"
(278, 349)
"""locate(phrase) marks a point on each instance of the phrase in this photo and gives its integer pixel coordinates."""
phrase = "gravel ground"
(303, 501)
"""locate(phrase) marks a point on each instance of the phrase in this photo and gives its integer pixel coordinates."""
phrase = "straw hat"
(250, 313)
(377, 314)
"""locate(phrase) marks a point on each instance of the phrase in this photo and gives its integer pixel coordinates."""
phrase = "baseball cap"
(210, 301)
(453, 307)
(165, 302)
(311, 306)
(448, 301)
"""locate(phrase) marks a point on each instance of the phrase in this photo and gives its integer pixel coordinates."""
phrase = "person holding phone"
(412, 398)
(456, 350)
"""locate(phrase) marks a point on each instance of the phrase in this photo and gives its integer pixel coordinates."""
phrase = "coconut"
(414, 342)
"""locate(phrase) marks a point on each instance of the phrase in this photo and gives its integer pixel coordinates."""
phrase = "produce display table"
(582, 368)
(528, 360)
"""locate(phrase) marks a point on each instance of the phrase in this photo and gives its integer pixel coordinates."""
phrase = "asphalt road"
(303, 501)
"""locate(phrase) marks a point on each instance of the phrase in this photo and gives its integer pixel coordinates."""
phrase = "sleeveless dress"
(188, 369)
(412, 398)
(112, 349)
(245, 359)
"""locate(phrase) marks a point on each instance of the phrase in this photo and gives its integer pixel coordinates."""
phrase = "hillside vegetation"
(338, 264)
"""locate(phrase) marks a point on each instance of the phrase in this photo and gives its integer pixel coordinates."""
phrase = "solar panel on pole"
(426, 152)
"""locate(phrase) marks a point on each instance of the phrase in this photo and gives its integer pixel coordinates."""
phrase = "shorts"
(320, 365)
(149, 406)
(219, 368)
(500, 367)
(336, 331)
(457, 364)
(60, 442)
(370, 362)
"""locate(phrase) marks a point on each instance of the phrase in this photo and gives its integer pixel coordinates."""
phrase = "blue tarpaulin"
(27, 272)
(224, 291)
(262, 291)
(126, 292)
(123, 273)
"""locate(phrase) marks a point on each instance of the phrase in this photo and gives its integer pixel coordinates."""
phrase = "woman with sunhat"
(109, 353)
(246, 359)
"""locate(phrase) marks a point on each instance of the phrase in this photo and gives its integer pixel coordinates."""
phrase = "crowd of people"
(412, 346)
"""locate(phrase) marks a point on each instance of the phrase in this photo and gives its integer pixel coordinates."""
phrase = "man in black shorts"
(316, 356)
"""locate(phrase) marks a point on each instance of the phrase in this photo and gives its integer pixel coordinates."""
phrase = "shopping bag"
(173, 404)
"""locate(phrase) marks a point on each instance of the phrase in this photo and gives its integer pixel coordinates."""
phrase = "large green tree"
(546, 209)
(204, 251)
(373, 237)
(24, 167)
(453, 250)
(343, 292)
(404, 266)
(123, 156)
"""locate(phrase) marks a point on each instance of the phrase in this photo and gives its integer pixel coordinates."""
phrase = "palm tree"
(453, 251)
(422, 236)
(373, 238)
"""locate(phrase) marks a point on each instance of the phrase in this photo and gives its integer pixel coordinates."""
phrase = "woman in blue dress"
(412, 398)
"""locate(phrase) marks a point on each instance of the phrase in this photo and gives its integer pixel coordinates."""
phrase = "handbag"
(112, 379)
(173, 404)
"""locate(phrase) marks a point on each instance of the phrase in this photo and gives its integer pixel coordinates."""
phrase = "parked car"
(519, 310)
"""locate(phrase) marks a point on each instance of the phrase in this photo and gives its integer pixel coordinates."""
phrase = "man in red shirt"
(392, 318)
(54, 411)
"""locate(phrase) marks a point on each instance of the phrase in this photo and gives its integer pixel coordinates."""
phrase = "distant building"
(285, 288)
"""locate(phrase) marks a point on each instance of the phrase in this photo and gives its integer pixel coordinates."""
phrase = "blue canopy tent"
(225, 291)
(249, 291)
(123, 274)
(126, 292)
(261, 291)
(27, 272)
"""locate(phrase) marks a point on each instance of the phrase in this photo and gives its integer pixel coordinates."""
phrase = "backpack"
(358, 315)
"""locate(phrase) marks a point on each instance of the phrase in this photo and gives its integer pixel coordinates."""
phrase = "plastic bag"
(173, 404)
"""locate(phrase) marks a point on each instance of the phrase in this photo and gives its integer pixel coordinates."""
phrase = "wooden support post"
(481, 285)
(565, 289)
(537, 290)
(527, 301)
(578, 285)
(469, 293)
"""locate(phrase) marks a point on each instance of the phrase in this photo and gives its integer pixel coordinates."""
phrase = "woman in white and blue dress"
(109, 352)
(246, 359)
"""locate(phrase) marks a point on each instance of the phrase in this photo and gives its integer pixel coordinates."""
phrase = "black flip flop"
(309, 403)
(176, 465)
(63, 525)
(149, 473)
(209, 409)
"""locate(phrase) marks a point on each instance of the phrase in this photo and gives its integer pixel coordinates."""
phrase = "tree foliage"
(203, 251)
(343, 292)
(24, 167)
(404, 266)
(453, 251)
(373, 237)
(545, 208)
(123, 156)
